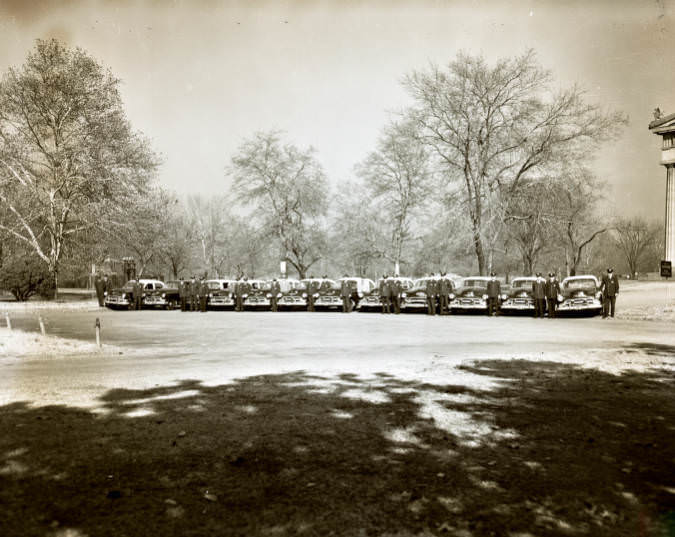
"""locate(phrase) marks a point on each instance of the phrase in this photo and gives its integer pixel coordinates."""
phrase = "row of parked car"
(578, 294)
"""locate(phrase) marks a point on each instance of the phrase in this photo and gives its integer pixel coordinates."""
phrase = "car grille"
(154, 300)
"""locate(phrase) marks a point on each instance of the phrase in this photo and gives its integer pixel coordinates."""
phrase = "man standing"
(182, 294)
(396, 290)
(107, 286)
(552, 292)
(431, 289)
(494, 289)
(609, 288)
(194, 294)
(138, 294)
(275, 291)
(385, 294)
(245, 290)
(346, 295)
(98, 285)
(311, 291)
(539, 296)
(444, 288)
(203, 294)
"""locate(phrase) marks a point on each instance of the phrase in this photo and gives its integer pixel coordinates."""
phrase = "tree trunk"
(480, 253)
(56, 283)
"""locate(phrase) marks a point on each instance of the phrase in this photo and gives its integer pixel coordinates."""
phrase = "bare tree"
(576, 197)
(634, 237)
(67, 151)
(287, 189)
(493, 127)
(398, 176)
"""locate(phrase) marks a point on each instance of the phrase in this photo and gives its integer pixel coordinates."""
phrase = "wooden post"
(98, 332)
(42, 324)
(9, 323)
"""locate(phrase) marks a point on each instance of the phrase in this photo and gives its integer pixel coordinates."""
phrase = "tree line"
(486, 169)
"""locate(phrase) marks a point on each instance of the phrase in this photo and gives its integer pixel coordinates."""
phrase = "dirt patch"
(550, 449)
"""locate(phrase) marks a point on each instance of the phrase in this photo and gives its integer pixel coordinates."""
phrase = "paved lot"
(258, 423)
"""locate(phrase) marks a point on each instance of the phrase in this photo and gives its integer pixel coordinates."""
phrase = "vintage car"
(518, 296)
(221, 293)
(580, 294)
(167, 297)
(371, 300)
(259, 296)
(122, 298)
(293, 295)
(471, 295)
(327, 295)
(360, 288)
(415, 298)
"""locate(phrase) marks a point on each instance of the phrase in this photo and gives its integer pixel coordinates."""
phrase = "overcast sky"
(200, 76)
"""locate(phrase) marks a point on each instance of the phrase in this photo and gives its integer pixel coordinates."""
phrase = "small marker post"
(8, 321)
(98, 332)
(42, 324)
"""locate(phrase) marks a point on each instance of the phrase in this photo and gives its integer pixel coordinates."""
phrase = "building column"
(670, 214)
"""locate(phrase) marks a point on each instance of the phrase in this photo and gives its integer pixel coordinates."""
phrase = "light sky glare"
(200, 76)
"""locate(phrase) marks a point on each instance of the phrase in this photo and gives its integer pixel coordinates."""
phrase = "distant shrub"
(24, 275)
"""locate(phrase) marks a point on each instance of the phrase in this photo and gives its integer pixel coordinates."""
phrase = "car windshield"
(521, 284)
(581, 283)
(479, 284)
(217, 285)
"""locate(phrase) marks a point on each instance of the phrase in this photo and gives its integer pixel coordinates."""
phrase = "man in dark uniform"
(107, 285)
(312, 288)
(552, 292)
(609, 289)
(539, 296)
(444, 288)
(275, 291)
(194, 294)
(346, 295)
(385, 294)
(181, 294)
(244, 291)
(98, 285)
(203, 294)
(494, 289)
(431, 290)
(138, 294)
(396, 290)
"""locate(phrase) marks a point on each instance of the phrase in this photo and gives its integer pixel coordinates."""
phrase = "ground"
(331, 424)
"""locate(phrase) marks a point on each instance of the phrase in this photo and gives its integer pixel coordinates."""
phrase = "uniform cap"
(538, 274)
(610, 270)
(550, 275)
(492, 274)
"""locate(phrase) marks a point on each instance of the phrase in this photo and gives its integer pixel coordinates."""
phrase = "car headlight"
(485, 297)
(504, 297)
(360, 294)
(210, 295)
(304, 295)
(278, 295)
(124, 295)
(163, 295)
(560, 298)
(245, 295)
(598, 295)
(316, 295)
(404, 295)
(269, 295)
(452, 296)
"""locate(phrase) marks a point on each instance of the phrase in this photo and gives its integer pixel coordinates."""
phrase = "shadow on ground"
(543, 449)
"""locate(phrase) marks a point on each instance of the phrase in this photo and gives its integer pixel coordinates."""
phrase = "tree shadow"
(544, 449)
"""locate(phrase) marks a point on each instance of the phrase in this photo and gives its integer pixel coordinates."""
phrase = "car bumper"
(518, 305)
(155, 302)
(414, 304)
(257, 302)
(468, 304)
(221, 302)
(328, 302)
(580, 305)
(369, 304)
(291, 302)
(116, 302)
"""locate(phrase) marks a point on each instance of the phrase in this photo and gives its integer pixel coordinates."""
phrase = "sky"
(199, 77)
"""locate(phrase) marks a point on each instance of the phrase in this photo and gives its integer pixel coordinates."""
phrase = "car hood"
(471, 291)
(589, 290)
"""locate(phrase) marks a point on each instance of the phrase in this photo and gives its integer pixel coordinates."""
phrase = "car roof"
(220, 280)
(581, 277)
